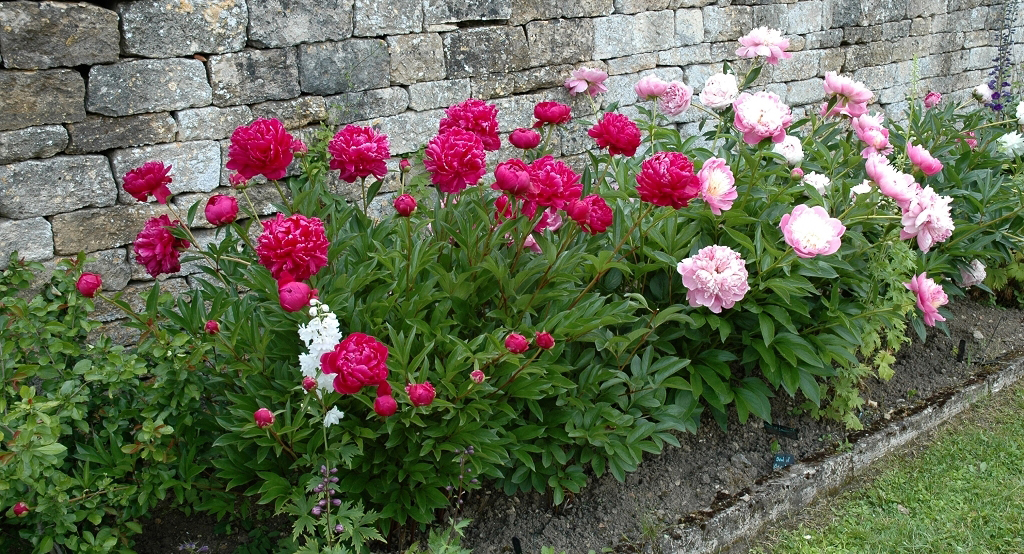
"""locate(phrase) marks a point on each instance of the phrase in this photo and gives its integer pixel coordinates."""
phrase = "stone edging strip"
(742, 516)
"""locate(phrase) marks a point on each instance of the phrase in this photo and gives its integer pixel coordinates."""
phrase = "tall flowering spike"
(263, 147)
(553, 183)
(720, 91)
(358, 361)
(667, 179)
(765, 42)
(592, 214)
(554, 113)
(157, 249)
(586, 79)
(477, 117)
(151, 178)
(617, 133)
(455, 160)
(852, 96)
(761, 115)
(676, 99)
(358, 152)
(869, 130)
(717, 185)
(927, 217)
(716, 277)
(811, 232)
(922, 158)
(293, 246)
(929, 297)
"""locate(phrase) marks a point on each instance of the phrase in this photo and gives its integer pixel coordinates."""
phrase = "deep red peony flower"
(294, 295)
(421, 394)
(513, 177)
(212, 327)
(477, 117)
(516, 343)
(295, 245)
(551, 112)
(667, 179)
(617, 133)
(262, 147)
(221, 209)
(263, 417)
(88, 284)
(385, 406)
(149, 178)
(157, 249)
(358, 152)
(455, 160)
(555, 184)
(358, 361)
(405, 205)
(544, 340)
(592, 214)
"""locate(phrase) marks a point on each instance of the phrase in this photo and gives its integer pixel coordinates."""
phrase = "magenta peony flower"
(811, 232)
(237, 180)
(211, 327)
(385, 406)
(853, 96)
(927, 217)
(384, 389)
(524, 139)
(923, 159)
(358, 361)
(617, 133)
(869, 130)
(932, 99)
(896, 185)
(552, 112)
(554, 183)
(716, 277)
(667, 179)
(586, 79)
(516, 343)
(972, 275)
(221, 209)
(263, 417)
(929, 297)
(263, 147)
(544, 340)
(358, 152)
(455, 160)
(149, 178)
(421, 394)
(761, 115)
(766, 42)
(720, 91)
(717, 185)
(676, 99)
(88, 284)
(513, 177)
(477, 117)
(294, 295)
(592, 214)
(157, 249)
(477, 376)
(405, 205)
(293, 247)
(308, 383)
(650, 87)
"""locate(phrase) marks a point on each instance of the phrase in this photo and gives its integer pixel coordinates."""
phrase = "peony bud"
(421, 394)
(932, 99)
(477, 376)
(21, 509)
(212, 327)
(513, 177)
(308, 383)
(385, 406)
(797, 173)
(263, 417)
(405, 205)
(516, 343)
(384, 389)
(544, 340)
(88, 284)
(221, 209)
(237, 180)
(524, 139)
(294, 296)
(404, 165)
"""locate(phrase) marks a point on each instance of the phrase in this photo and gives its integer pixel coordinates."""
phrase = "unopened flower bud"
(339, 528)
(477, 376)
(334, 479)
(316, 510)
(404, 165)
(797, 173)
(308, 383)
(212, 327)
(336, 502)
(263, 417)
(322, 503)
(21, 509)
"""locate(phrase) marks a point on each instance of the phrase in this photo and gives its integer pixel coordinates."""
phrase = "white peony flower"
(1011, 144)
(333, 417)
(863, 188)
(1020, 113)
(791, 149)
(983, 94)
(818, 181)
(973, 274)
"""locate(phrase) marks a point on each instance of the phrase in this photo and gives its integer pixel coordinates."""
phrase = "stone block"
(842, 14)
(623, 35)
(861, 35)
(98, 133)
(689, 27)
(876, 78)
(416, 58)
(881, 11)
(866, 55)
(529, 80)
(686, 55)
(195, 166)
(40, 97)
(524, 11)
(809, 91)
(407, 131)
(637, 6)
(32, 142)
(40, 35)
(293, 113)
(211, 123)
(726, 23)
(447, 11)
(823, 39)
(369, 104)
(924, 8)
(560, 41)
(803, 17)
(31, 238)
(144, 86)
(495, 85)
(438, 94)
(981, 58)
(803, 65)
(279, 23)
(253, 76)
(632, 64)
(347, 66)
(60, 184)
(112, 265)
(771, 16)
(832, 59)
(516, 111)
(159, 29)
(473, 52)
(395, 17)
(102, 228)
(573, 139)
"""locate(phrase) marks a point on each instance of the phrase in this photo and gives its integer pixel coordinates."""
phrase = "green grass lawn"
(964, 492)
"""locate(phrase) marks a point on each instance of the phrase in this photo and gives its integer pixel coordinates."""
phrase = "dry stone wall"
(89, 91)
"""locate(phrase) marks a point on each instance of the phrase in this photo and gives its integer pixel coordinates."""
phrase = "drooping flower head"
(333, 416)
(766, 42)
(554, 113)
(221, 209)
(262, 147)
(88, 284)
(720, 91)
(358, 361)
(811, 232)
(149, 178)
(761, 115)
(157, 249)
(477, 117)
(717, 185)
(869, 130)
(358, 152)
(586, 79)
(927, 217)
(929, 297)
(923, 159)
(293, 247)
(852, 96)
(553, 183)
(667, 179)
(650, 87)
(617, 133)
(420, 394)
(932, 99)
(716, 277)
(790, 148)
(524, 139)
(591, 213)
(455, 160)
(972, 275)
(676, 99)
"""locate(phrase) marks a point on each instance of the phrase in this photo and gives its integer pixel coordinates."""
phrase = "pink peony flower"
(811, 232)
(544, 340)
(896, 185)
(676, 99)
(929, 297)
(263, 417)
(932, 99)
(149, 178)
(790, 148)
(477, 117)
(294, 295)
(972, 275)
(88, 284)
(358, 361)
(293, 247)
(617, 133)
(586, 79)
(524, 139)
(716, 277)
(477, 376)
(549, 218)
(358, 152)
(870, 131)
(516, 343)
(554, 183)
(970, 140)
(263, 147)
(592, 214)
(20, 509)
(221, 209)
(385, 406)
(421, 394)
(761, 115)
(405, 205)
(853, 96)
(796, 173)
(720, 91)
(650, 87)
(157, 249)
(927, 217)
(513, 177)
(308, 383)
(766, 42)
(717, 185)
(923, 159)
(211, 327)
(667, 179)
(982, 93)
(405, 166)
(552, 112)
(455, 160)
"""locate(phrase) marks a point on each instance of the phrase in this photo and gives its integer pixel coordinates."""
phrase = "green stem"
(615, 251)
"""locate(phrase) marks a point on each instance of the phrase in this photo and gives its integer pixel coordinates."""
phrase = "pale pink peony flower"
(790, 148)
(716, 277)
(853, 96)
(650, 87)
(899, 186)
(586, 79)
(817, 180)
(676, 99)
(761, 115)
(970, 140)
(869, 130)
(932, 99)
(972, 275)
(927, 217)
(929, 297)
(923, 159)
(717, 185)
(982, 93)
(720, 91)
(811, 232)
(766, 42)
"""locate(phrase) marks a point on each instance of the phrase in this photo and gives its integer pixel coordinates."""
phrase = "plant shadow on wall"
(528, 329)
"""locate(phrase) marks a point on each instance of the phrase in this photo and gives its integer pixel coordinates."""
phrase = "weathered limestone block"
(31, 238)
(278, 23)
(252, 76)
(211, 123)
(63, 183)
(447, 11)
(478, 51)
(408, 131)
(981, 58)
(495, 85)
(416, 58)
(637, 6)
(866, 55)
(516, 111)
(99, 133)
(159, 29)
(842, 14)
(143, 86)
(112, 265)
(726, 23)
(622, 35)
(358, 106)
(438, 94)
(293, 113)
(924, 8)
(803, 17)
(32, 142)
(40, 97)
(632, 64)
(395, 17)
(40, 35)
(803, 65)
(689, 27)
(524, 11)
(560, 41)
(102, 228)
(881, 11)
(809, 91)
(698, 53)
(770, 16)
(824, 39)
(195, 166)
(347, 66)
